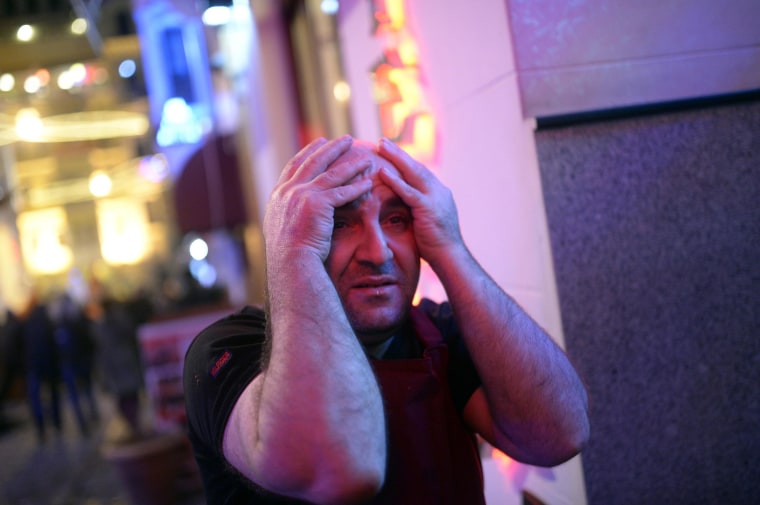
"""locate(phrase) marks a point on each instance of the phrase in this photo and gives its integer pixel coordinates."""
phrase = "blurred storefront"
(89, 181)
(84, 192)
(129, 130)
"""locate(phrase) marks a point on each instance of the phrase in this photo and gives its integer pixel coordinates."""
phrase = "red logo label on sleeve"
(220, 363)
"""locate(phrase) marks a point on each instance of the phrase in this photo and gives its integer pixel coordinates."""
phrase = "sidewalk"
(65, 470)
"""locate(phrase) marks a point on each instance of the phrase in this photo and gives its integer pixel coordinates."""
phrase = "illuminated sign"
(405, 116)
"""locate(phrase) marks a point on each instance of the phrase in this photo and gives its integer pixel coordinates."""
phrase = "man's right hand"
(299, 215)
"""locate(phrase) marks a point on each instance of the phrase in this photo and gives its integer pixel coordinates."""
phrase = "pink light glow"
(507, 466)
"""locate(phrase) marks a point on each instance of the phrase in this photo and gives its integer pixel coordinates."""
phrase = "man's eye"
(398, 220)
(340, 226)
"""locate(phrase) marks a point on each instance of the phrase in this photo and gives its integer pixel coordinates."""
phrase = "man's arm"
(532, 405)
(311, 425)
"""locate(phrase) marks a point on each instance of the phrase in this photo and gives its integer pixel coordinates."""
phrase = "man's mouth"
(375, 287)
(375, 282)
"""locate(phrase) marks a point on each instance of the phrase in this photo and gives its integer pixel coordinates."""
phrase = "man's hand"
(532, 405)
(436, 225)
(300, 212)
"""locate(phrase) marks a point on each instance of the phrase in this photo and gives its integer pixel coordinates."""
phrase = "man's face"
(373, 261)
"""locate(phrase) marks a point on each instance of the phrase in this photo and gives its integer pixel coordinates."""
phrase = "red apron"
(432, 457)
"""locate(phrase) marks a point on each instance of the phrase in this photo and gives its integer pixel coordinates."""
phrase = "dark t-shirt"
(225, 357)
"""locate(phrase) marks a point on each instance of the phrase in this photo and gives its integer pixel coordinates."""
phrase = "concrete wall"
(584, 56)
(655, 228)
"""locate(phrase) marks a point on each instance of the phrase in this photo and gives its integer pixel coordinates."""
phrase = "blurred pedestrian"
(119, 360)
(10, 358)
(75, 351)
(42, 366)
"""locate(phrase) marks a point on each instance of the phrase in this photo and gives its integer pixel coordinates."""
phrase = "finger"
(297, 160)
(355, 155)
(415, 173)
(318, 161)
(358, 161)
(347, 193)
(409, 195)
(349, 166)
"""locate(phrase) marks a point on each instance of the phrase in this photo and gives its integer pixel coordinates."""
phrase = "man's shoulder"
(219, 363)
(225, 353)
(249, 319)
(244, 327)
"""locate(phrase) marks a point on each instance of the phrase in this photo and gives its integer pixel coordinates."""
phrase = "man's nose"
(374, 247)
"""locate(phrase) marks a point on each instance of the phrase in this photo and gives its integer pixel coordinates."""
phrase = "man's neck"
(378, 350)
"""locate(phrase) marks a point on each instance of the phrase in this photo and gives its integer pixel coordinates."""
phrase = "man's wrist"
(447, 256)
(285, 259)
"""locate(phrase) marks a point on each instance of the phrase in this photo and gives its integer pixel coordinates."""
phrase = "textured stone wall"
(655, 230)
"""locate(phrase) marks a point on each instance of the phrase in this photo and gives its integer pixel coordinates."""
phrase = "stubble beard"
(376, 325)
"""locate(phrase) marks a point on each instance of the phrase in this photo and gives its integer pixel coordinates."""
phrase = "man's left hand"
(436, 225)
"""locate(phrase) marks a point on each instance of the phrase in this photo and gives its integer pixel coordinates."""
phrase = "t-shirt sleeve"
(221, 361)
(463, 377)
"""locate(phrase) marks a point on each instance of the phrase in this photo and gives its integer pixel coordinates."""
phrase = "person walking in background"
(41, 363)
(10, 364)
(119, 361)
(75, 351)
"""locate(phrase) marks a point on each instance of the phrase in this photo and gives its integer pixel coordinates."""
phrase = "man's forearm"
(536, 399)
(320, 414)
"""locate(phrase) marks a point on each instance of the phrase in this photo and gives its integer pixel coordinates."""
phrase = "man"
(353, 395)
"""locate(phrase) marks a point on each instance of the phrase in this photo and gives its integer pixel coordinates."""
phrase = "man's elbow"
(571, 432)
(335, 484)
(571, 442)
(549, 447)
(352, 488)
(357, 488)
